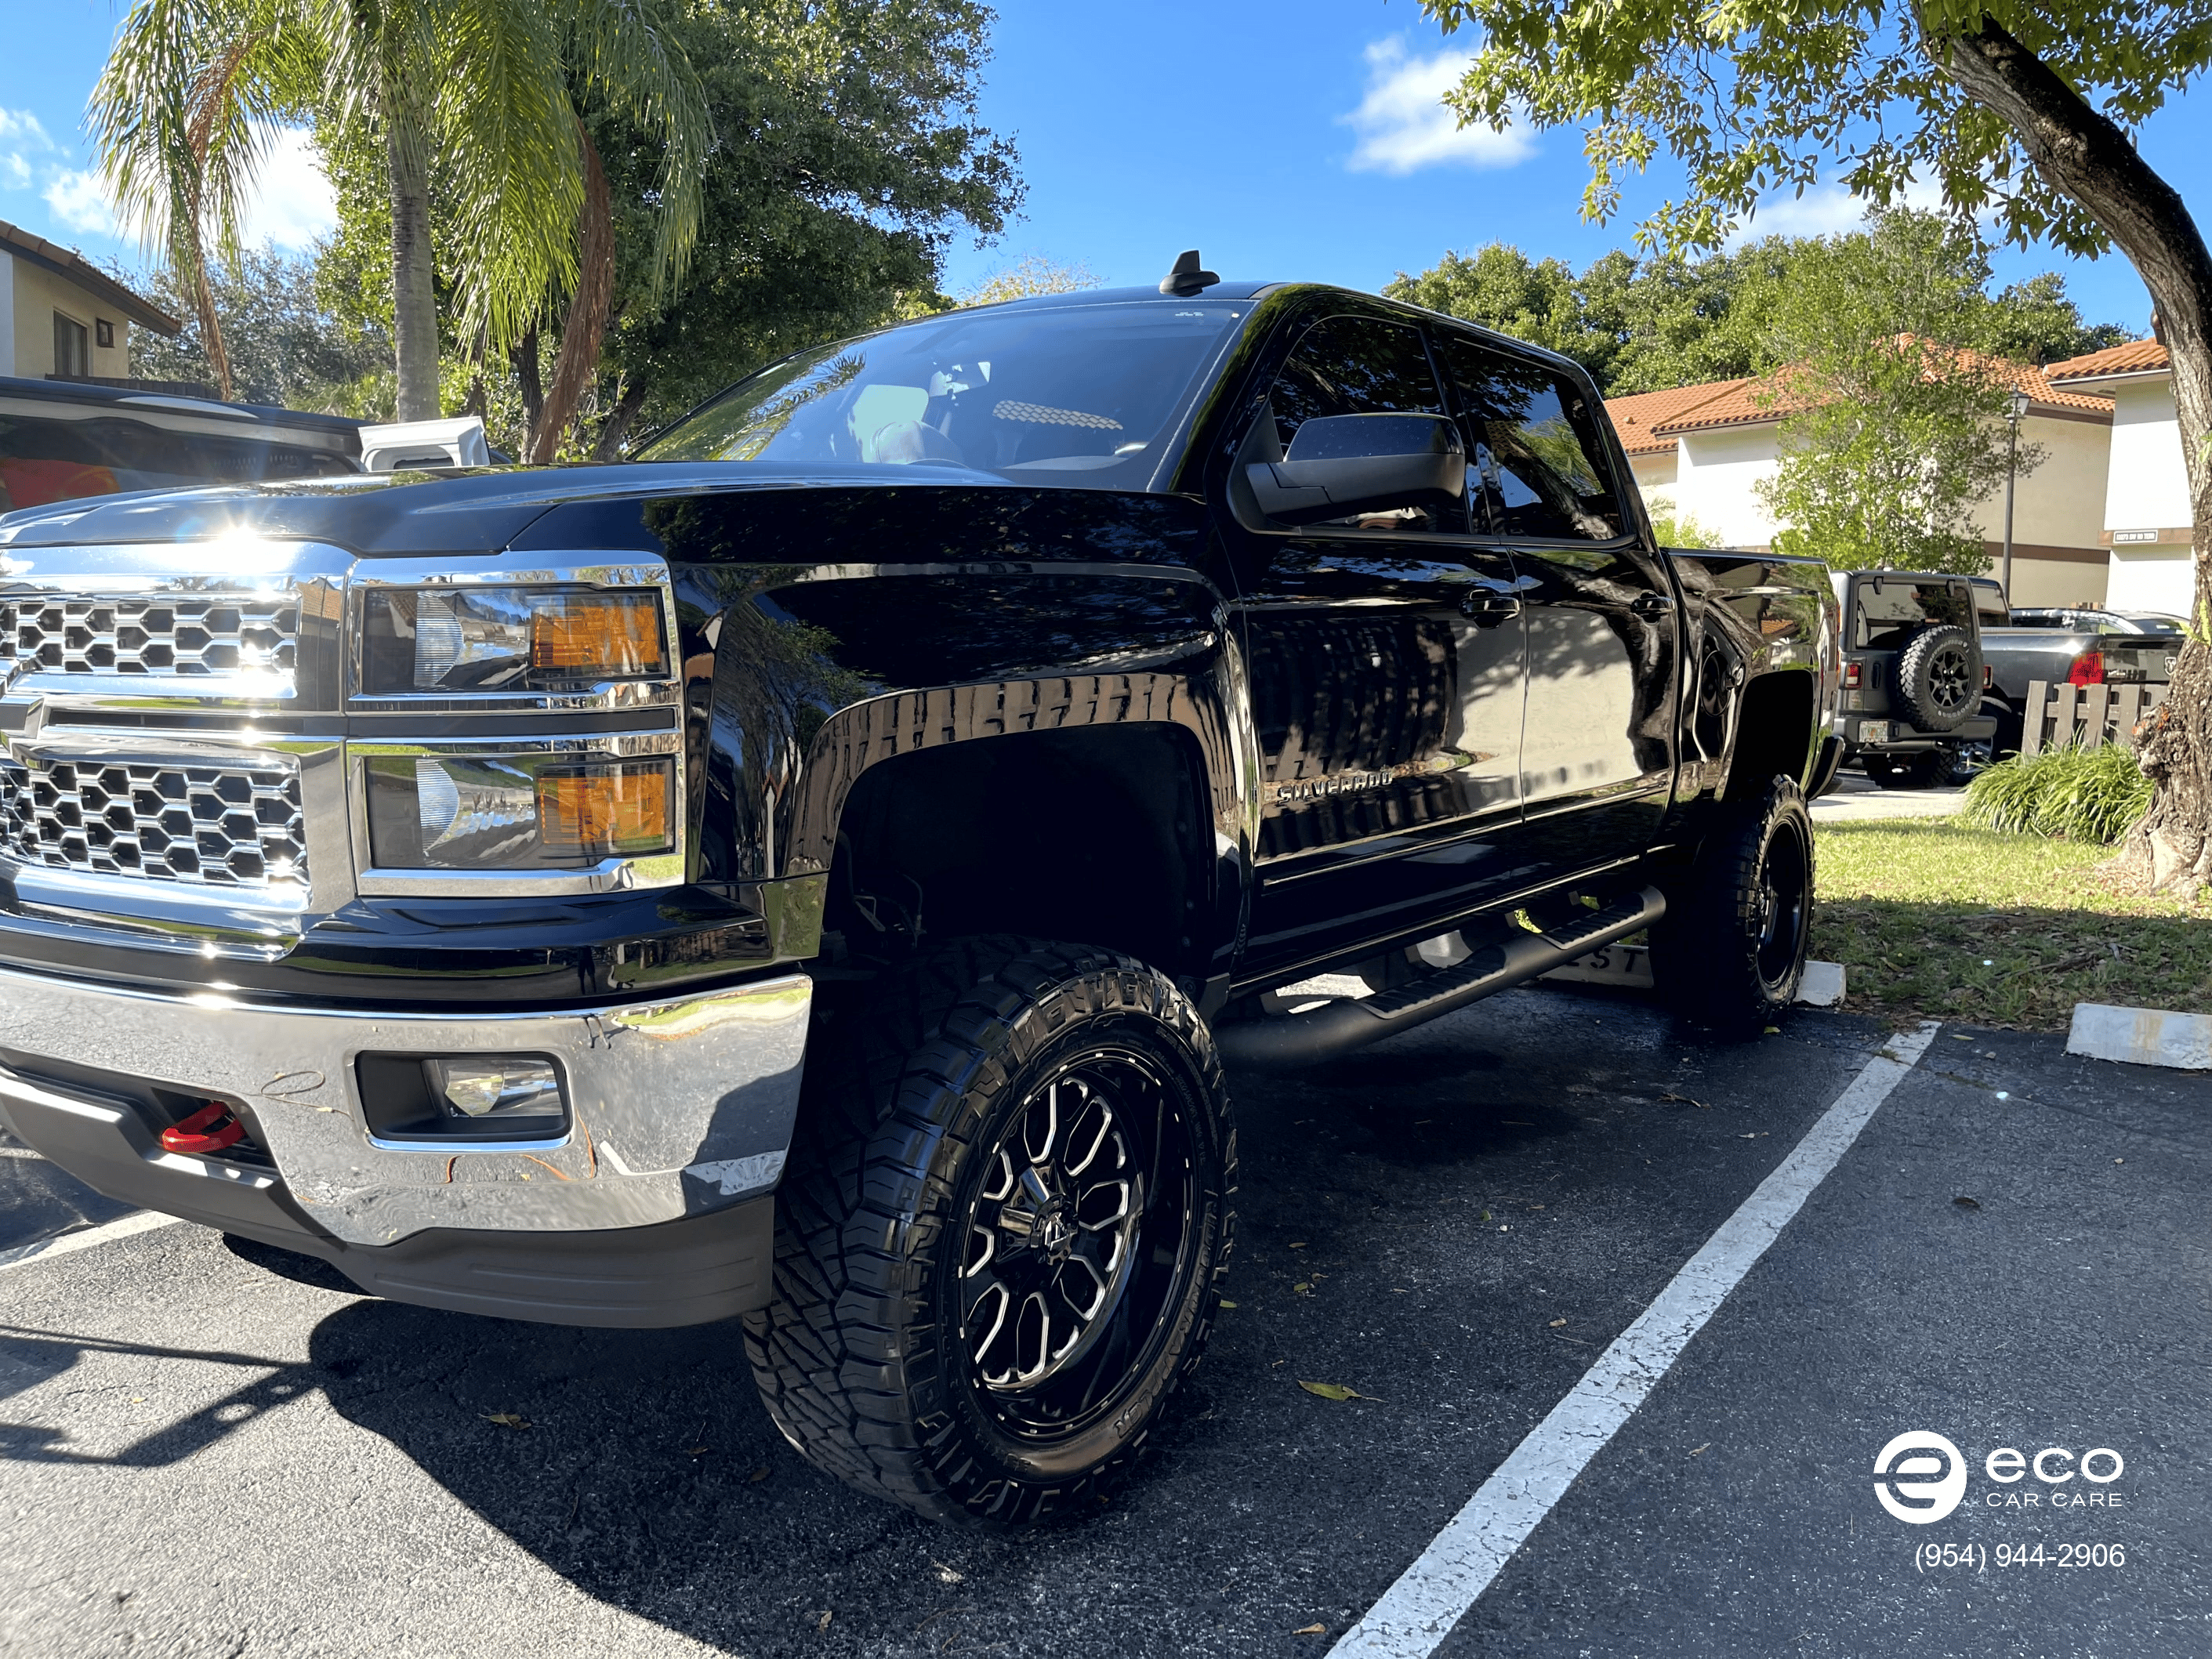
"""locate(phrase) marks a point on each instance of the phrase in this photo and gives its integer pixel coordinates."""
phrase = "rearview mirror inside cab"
(1339, 465)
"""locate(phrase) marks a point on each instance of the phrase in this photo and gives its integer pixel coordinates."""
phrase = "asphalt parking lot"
(204, 1457)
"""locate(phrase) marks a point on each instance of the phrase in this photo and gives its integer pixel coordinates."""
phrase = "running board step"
(1349, 1023)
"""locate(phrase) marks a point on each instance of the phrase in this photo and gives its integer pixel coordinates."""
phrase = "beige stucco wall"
(1716, 476)
(2148, 489)
(2060, 503)
(38, 293)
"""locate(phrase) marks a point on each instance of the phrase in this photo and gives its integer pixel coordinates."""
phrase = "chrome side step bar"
(1351, 1022)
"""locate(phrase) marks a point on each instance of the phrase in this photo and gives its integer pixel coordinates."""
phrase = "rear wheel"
(997, 1243)
(1922, 770)
(1730, 951)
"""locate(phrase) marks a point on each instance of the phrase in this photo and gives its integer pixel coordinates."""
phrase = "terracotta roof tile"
(1635, 416)
(1752, 402)
(2136, 357)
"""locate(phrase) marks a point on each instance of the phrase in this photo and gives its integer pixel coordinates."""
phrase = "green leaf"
(1334, 1391)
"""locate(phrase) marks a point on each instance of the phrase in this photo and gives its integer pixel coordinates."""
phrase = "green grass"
(2082, 794)
(1938, 919)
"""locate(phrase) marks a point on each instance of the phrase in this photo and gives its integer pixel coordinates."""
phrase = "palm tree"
(182, 117)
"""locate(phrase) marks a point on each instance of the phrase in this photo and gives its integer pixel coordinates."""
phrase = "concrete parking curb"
(2142, 1036)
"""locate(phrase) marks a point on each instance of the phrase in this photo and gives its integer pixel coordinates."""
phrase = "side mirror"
(1339, 465)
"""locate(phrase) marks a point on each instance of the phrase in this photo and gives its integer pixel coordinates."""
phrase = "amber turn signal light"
(608, 811)
(617, 634)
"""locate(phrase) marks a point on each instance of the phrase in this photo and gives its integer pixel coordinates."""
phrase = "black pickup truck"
(815, 871)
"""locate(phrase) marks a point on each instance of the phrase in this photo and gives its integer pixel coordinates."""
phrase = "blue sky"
(1297, 140)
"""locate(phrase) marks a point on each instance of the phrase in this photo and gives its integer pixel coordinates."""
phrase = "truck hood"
(416, 515)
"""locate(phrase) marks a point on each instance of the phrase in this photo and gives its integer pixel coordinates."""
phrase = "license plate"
(1874, 732)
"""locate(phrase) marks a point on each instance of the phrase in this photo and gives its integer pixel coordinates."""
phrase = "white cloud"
(293, 201)
(20, 127)
(14, 171)
(79, 202)
(1823, 211)
(1403, 125)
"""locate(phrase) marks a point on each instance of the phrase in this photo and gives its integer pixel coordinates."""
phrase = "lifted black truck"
(813, 874)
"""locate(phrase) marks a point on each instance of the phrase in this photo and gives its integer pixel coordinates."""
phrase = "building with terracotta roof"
(2146, 516)
(64, 318)
(1700, 452)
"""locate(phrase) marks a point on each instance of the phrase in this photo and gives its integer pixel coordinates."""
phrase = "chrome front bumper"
(678, 1108)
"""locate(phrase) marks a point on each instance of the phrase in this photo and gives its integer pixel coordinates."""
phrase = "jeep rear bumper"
(655, 1208)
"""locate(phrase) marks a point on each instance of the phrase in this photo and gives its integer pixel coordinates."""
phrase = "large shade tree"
(2020, 112)
(849, 153)
(494, 90)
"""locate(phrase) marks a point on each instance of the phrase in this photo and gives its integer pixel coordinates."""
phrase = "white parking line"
(1416, 1613)
(141, 1221)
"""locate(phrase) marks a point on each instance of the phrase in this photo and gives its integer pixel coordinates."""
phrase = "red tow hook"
(209, 1129)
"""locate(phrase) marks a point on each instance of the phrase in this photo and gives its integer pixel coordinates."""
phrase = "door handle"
(1486, 609)
(1652, 605)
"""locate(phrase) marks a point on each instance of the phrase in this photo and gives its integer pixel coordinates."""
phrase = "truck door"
(1386, 661)
(1598, 743)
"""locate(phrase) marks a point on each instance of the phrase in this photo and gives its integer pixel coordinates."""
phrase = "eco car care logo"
(1919, 1477)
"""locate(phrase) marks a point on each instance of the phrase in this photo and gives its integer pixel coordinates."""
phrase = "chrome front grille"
(183, 636)
(221, 825)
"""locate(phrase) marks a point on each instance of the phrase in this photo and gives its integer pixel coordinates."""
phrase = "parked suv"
(813, 874)
(1913, 674)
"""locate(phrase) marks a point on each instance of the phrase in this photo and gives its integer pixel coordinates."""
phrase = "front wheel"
(1730, 951)
(997, 1244)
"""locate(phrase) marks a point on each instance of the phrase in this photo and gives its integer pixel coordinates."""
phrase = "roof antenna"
(1187, 279)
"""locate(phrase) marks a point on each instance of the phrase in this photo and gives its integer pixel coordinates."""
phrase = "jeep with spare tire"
(1913, 675)
(812, 874)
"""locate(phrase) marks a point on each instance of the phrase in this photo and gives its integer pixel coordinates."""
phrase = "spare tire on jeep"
(1939, 678)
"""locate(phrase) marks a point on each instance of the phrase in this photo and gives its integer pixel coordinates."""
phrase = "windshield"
(1065, 394)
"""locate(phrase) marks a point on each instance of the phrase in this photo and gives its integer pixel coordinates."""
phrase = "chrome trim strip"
(676, 1107)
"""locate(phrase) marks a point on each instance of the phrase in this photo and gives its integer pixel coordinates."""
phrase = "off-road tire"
(1939, 678)
(1730, 951)
(862, 1359)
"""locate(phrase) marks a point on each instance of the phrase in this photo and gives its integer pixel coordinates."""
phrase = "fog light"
(499, 1088)
(428, 1100)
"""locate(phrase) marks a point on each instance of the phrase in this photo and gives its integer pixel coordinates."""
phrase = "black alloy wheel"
(1078, 1246)
(1730, 950)
(997, 1243)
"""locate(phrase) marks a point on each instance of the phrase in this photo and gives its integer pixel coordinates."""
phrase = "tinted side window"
(1358, 366)
(1537, 454)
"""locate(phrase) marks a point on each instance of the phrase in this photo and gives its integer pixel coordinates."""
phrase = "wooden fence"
(2089, 715)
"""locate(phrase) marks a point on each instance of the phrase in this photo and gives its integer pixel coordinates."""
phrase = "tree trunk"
(578, 362)
(414, 275)
(211, 344)
(2090, 158)
(529, 381)
(609, 448)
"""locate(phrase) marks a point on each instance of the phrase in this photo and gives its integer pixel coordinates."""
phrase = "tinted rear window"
(1890, 609)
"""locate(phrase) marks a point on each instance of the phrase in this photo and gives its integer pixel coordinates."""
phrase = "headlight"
(517, 811)
(508, 639)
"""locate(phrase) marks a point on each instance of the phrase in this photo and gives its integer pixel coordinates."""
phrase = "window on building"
(72, 346)
(103, 334)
